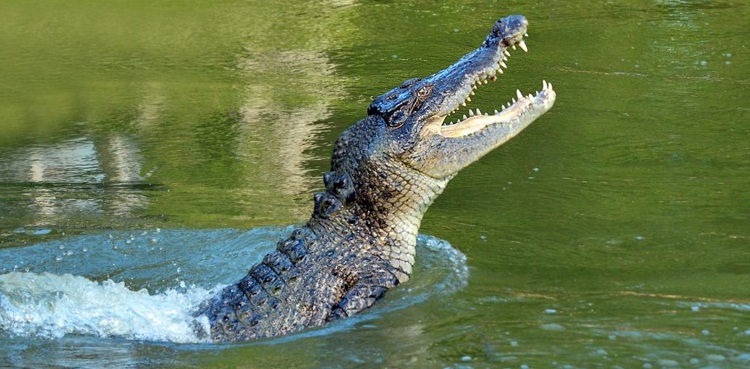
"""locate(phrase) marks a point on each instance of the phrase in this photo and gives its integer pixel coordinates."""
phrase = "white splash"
(51, 306)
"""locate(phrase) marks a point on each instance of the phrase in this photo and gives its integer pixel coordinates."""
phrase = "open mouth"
(515, 110)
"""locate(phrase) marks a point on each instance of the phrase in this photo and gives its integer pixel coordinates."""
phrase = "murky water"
(146, 148)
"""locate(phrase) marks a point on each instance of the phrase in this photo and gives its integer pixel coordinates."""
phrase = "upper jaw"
(456, 83)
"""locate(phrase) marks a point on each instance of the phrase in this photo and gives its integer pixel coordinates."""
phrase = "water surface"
(614, 232)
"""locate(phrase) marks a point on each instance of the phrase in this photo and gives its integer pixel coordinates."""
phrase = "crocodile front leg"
(364, 292)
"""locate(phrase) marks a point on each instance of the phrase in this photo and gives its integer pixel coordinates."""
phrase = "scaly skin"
(386, 170)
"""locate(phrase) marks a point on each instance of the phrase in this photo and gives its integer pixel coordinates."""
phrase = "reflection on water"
(57, 180)
(228, 140)
(281, 136)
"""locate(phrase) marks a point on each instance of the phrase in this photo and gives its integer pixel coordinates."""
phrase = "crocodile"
(385, 172)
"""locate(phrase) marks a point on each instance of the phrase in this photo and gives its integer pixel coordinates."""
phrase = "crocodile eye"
(424, 91)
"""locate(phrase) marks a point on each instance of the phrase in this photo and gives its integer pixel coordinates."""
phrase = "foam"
(51, 306)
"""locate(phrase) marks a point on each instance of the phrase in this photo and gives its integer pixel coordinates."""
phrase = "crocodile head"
(401, 157)
(415, 113)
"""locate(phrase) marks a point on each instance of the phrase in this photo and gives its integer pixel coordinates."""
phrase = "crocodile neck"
(375, 205)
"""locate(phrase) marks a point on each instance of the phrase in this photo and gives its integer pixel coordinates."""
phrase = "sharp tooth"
(468, 99)
(495, 111)
(464, 117)
(471, 112)
(479, 112)
(502, 64)
(519, 94)
(522, 44)
(526, 35)
(549, 84)
(544, 85)
(530, 97)
(513, 99)
(500, 71)
(506, 52)
(463, 103)
(472, 93)
(514, 47)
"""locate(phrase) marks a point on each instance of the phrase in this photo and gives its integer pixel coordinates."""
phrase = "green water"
(613, 233)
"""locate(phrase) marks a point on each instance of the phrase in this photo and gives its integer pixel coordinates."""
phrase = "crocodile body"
(386, 170)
